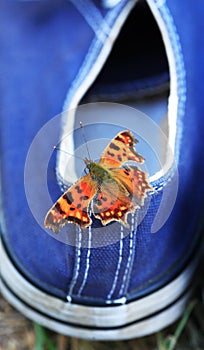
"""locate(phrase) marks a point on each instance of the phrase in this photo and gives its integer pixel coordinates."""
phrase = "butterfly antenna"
(70, 154)
(85, 141)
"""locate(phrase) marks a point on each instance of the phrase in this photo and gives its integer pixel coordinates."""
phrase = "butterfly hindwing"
(120, 150)
(73, 205)
(112, 203)
(135, 181)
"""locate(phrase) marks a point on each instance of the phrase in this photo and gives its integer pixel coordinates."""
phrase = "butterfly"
(110, 190)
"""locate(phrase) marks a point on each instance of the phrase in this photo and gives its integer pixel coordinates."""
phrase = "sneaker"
(114, 66)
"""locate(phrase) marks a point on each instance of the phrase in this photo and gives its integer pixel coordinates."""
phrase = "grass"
(42, 339)
(169, 343)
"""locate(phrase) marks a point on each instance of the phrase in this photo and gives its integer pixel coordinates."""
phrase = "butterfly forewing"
(120, 150)
(73, 205)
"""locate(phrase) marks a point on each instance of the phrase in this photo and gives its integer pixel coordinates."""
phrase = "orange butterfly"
(114, 189)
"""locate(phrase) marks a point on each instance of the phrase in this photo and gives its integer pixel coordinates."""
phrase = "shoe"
(118, 65)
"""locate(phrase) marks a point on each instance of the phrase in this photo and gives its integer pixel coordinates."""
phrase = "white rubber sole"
(134, 319)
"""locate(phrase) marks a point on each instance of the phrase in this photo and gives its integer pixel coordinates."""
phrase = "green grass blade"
(181, 326)
(39, 336)
(161, 341)
(42, 339)
(49, 344)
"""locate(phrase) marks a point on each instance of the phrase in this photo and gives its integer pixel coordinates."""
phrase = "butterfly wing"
(135, 181)
(112, 203)
(73, 205)
(121, 149)
(121, 195)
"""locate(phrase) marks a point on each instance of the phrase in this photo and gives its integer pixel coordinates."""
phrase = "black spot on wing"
(59, 209)
(79, 190)
(68, 197)
(126, 172)
(84, 198)
(110, 154)
(99, 202)
(114, 146)
(74, 219)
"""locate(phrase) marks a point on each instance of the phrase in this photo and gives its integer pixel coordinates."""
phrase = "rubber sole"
(134, 319)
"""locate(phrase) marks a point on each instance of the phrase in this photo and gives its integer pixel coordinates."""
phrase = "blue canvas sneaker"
(117, 67)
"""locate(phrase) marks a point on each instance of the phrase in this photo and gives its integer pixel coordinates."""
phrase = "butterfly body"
(97, 172)
(110, 189)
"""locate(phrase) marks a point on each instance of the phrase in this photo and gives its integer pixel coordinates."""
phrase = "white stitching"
(120, 257)
(77, 264)
(87, 262)
(159, 186)
(128, 270)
